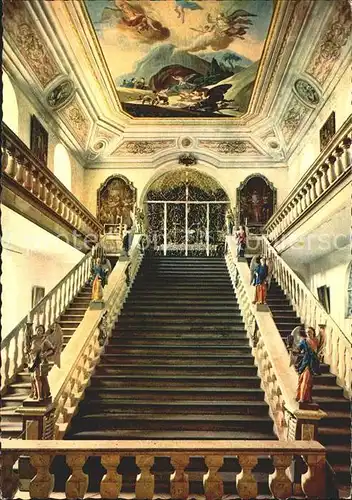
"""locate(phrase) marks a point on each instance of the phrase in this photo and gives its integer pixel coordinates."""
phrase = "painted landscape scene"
(182, 58)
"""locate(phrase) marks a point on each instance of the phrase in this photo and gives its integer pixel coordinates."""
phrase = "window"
(349, 291)
(62, 165)
(9, 104)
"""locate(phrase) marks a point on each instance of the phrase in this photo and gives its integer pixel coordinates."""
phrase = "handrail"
(21, 167)
(312, 313)
(280, 482)
(331, 166)
(83, 350)
(45, 312)
(278, 377)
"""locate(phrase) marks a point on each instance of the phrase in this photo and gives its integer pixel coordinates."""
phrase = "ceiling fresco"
(182, 58)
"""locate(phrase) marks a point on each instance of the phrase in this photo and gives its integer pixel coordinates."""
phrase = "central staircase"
(177, 366)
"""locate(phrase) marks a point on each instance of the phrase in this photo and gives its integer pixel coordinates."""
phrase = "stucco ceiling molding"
(26, 40)
(293, 117)
(143, 147)
(230, 147)
(77, 120)
(331, 43)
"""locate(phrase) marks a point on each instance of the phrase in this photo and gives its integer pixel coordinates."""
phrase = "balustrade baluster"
(20, 174)
(179, 483)
(303, 199)
(245, 481)
(111, 483)
(314, 194)
(55, 202)
(309, 193)
(313, 481)
(279, 481)
(28, 182)
(319, 174)
(9, 480)
(42, 485)
(339, 162)
(331, 171)
(77, 483)
(212, 480)
(347, 154)
(42, 188)
(325, 178)
(35, 181)
(145, 479)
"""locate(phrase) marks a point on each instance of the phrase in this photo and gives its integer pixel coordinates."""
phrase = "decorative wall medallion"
(77, 120)
(144, 147)
(61, 94)
(306, 92)
(186, 142)
(230, 147)
(19, 25)
(293, 117)
(187, 159)
(331, 42)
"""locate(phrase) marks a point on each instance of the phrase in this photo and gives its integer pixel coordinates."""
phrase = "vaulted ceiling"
(125, 81)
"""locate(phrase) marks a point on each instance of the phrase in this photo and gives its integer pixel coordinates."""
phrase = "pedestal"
(262, 307)
(38, 423)
(97, 305)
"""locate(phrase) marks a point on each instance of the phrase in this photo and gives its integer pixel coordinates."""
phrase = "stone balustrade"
(46, 312)
(82, 352)
(338, 351)
(41, 453)
(332, 166)
(25, 174)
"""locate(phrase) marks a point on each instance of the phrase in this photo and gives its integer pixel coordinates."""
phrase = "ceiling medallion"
(61, 94)
(306, 92)
(187, 159)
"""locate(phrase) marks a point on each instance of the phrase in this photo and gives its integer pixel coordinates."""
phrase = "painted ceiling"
(182, 58)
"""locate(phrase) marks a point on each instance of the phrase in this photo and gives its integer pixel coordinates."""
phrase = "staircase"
(178, 366)
(19, 389)
(334, 430)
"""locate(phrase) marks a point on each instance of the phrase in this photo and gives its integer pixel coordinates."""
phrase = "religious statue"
(38, 349)
(230, 220)
(305, 347)
(99, 277)
(140, 220)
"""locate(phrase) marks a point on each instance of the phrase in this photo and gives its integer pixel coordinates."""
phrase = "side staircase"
(19, 389)
(334, 429)
(177, 366)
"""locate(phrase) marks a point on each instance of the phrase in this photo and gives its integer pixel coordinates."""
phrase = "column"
(208, 222)
(186, 228)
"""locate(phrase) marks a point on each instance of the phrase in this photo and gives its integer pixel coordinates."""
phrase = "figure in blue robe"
(181, 5)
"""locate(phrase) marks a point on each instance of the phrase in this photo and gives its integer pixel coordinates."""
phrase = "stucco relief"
(144, 147)
(230, 147)
(77, 120)
(19, 25)
(331, 42)
(292, 119)
(306, 92)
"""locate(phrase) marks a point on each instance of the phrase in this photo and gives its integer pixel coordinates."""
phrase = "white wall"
(331, 270)
(309, 148)
(30, 257)
(26, 109)
(229, 179)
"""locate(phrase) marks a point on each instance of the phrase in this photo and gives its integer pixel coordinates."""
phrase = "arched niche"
(116, 200)
(256, 201)
(10, 114)
(62, 165)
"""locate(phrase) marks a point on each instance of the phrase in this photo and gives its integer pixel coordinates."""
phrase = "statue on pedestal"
(140, 220)
(38, 349)
(99, 278)
(230, 220)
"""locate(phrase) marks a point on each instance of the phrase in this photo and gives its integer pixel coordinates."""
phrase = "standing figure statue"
(260, 275)
(99, 280)
(307, 364)
(140, 220)
(241, 236)
(230, 221)
(38, 349)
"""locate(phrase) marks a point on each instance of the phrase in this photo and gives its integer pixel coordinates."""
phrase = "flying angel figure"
(181, 5)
